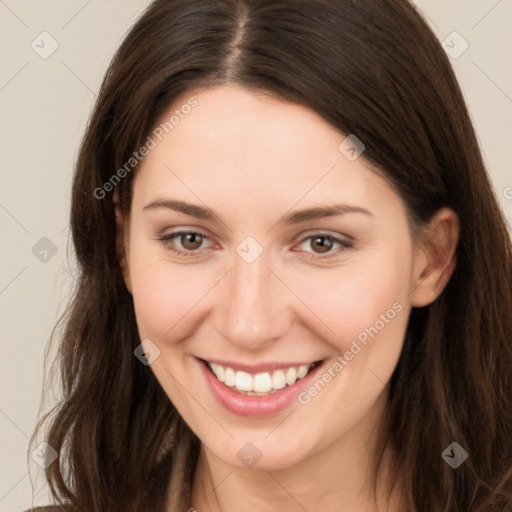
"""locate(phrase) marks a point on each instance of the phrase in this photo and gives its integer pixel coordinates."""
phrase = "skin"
(253, 159)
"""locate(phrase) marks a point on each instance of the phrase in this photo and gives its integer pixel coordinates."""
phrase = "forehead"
(232, 123)
(247, 146)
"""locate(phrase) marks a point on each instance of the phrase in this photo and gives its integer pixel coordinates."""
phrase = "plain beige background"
(45, 101)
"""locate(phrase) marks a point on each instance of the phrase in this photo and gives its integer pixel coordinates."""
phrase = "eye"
(190, 241)
(324, 245)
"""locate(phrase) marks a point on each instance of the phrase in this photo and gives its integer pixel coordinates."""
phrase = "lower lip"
(256, 406)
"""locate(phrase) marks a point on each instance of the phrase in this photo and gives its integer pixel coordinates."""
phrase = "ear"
(122, 241)
(435, 258)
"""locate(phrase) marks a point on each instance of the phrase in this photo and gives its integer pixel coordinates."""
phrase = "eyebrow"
(296, 217)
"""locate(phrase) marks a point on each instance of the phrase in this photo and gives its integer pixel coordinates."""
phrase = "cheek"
(368, 309)
(369, 293)
(164, 295)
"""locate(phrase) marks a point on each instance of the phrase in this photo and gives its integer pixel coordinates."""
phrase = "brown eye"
(185, 243)
(191, 241)
(323, 243)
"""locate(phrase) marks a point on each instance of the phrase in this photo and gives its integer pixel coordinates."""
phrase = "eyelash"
(345, 244)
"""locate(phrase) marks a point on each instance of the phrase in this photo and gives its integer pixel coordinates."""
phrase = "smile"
(257, 391)
(259, 384)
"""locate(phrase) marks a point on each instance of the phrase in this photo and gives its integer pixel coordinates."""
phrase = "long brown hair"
(372, 68)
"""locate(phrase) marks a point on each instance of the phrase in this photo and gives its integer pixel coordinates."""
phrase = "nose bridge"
(252, 311)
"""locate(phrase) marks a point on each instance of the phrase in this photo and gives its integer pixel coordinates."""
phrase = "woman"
(295, 280)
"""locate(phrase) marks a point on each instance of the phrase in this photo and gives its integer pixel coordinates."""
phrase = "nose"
(253, 308)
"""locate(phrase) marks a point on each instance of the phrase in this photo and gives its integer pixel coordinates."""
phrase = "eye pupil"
(191, 238)
(324, 247)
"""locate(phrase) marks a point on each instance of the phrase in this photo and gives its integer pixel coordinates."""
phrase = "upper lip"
(261, 367)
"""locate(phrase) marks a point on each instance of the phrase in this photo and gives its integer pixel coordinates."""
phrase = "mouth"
(263, 383)
(258, 392)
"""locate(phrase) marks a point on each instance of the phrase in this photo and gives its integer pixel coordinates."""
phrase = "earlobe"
(435, 260)
(122, 242)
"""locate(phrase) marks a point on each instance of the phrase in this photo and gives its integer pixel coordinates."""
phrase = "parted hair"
(372, 68)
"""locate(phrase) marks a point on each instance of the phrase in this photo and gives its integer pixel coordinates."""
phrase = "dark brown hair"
(372, 68)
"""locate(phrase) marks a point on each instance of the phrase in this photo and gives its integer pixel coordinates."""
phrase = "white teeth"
(260, 384)
(302, 371)
(243, 381)
(229, 377)
(291, 376)
(218, 370)
(278, 379)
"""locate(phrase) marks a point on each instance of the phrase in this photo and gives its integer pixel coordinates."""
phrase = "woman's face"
(233, 259)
